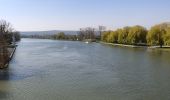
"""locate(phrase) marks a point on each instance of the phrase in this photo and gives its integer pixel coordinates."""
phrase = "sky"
(41, 15)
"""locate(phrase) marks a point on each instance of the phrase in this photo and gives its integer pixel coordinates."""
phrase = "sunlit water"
(65, 70)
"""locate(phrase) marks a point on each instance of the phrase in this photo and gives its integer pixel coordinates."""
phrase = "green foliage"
(167, 37)
(60, 36)
(112, 37)
(104, 36)
(156, 35)
(137, 34)
(120, 36)
(127, 35)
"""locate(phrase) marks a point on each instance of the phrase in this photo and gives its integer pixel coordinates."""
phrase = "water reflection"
(5, 74)
(11, 74)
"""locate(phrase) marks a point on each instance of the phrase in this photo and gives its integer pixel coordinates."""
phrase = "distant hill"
(48, 32)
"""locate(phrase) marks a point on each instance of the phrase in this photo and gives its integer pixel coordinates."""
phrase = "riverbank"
(137, 46)
(11, 50)
(124, 45)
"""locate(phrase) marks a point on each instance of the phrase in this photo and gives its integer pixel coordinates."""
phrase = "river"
(66, 70)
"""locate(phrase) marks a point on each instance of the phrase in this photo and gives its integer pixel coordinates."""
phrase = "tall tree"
(112, 37)
(120, 36)
(137, 34)
(87, 33)
(105, 35)
(167, 37)
(156, 35)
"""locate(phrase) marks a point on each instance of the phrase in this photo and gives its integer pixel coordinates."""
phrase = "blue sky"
(35, 15)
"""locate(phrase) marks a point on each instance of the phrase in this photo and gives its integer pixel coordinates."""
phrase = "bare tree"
(86, 33)
(101, 29)
(5, 27)
(6, 33)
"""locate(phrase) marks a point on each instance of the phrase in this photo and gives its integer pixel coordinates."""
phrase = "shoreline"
(11, 50)
(136, 46)
(116, 44)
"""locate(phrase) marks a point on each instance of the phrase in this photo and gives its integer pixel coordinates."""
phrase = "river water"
(66, 70)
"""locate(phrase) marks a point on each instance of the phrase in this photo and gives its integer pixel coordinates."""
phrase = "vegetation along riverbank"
(157, 36)
(8, 39)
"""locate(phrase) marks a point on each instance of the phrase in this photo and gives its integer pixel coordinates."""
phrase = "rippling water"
(60, 70)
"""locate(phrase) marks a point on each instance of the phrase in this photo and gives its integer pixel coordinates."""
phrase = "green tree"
(125, 34)
(112, 37)
(137, 34)
(104, 36)
(120, 35)
(167, 37)
(156, 35)
(60, 36)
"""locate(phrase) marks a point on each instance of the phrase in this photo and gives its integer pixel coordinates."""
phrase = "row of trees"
(7, 36)
(87, 33)
(63, 36)
(139, 35)
(90, 33)
(7, 33)
(57, 36)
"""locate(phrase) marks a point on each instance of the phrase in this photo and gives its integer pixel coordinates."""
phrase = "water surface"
(65, 70)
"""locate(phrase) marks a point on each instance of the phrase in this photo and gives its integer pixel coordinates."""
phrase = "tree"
(167, 37)
(120, 36)
(17, 36)
(7, 32)
(125, 34)
(7, 35)
(156, 35)
(112, 37)
(87, 33)
(60, 36)
(137, 35)
(105, 35)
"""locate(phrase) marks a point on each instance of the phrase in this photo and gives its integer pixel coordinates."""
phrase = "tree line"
(83, 34)
(7, 33)
(57, 36)
(139, 35)
(7, 36)
(130, 35)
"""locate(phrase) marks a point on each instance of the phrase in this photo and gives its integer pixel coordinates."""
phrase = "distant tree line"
(7, 35)
(84, 34)
(139, 35)
(57, 36)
